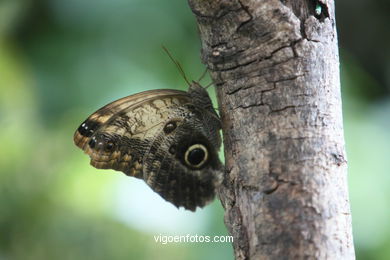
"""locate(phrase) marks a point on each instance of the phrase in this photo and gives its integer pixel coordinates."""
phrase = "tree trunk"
(276, 68)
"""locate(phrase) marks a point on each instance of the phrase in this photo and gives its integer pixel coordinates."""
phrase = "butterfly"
(169, 138)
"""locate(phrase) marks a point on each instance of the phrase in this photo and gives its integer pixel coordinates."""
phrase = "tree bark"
(276, 68)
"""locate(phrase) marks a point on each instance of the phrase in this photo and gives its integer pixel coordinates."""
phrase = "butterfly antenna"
(181, 71)
(208, 85)
(203, 74)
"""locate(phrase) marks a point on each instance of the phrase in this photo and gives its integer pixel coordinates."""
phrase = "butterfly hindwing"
(168, 169)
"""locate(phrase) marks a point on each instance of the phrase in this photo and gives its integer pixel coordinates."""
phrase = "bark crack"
(273, 111)
(236, 67)
(246, 9)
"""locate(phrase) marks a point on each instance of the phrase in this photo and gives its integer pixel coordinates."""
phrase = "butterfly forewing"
(116, 135)
(109, 111)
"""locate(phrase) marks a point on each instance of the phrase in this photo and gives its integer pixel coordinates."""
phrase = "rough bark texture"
(276, 68)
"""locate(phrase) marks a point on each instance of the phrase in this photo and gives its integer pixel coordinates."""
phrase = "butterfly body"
(168, 138)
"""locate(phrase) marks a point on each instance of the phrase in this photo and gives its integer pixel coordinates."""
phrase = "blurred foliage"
(61, 60)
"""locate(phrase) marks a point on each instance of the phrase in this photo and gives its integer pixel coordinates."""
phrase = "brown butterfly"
(168, 138)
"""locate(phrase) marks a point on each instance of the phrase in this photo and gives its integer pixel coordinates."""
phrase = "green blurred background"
(61, 60)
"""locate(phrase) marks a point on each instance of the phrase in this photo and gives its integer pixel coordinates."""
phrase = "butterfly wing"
(117, 135)
(157, 135)
(182, 165)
